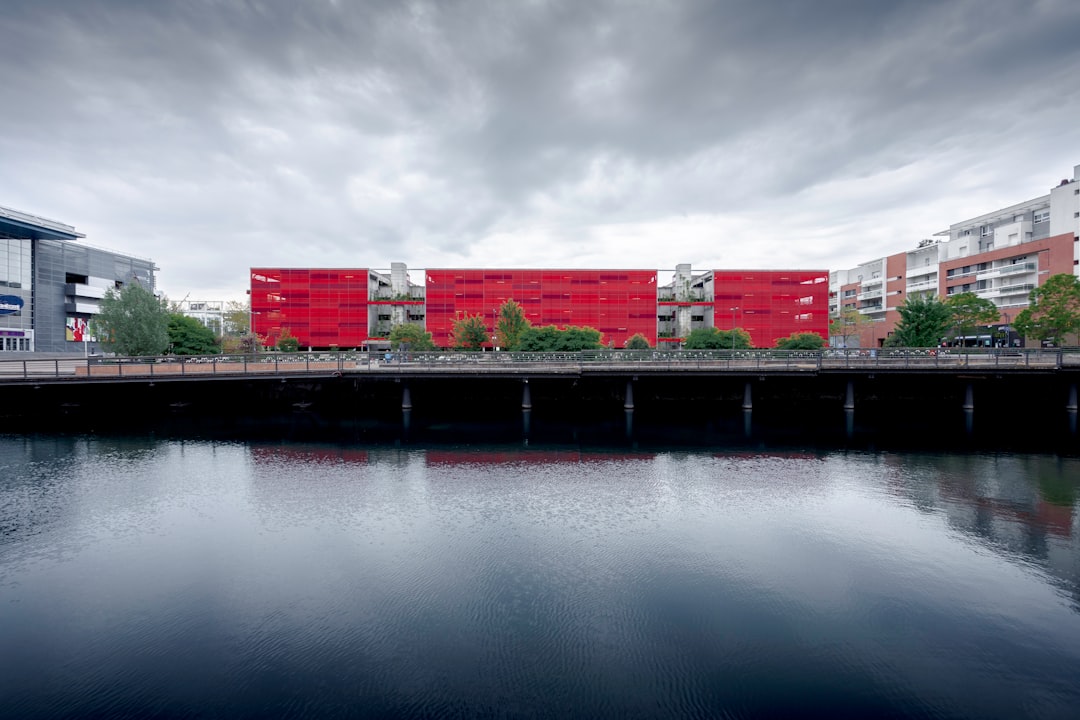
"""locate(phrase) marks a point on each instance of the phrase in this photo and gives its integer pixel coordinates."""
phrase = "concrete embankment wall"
(920, 409)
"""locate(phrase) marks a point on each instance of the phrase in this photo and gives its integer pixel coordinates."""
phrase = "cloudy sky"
(217, 135)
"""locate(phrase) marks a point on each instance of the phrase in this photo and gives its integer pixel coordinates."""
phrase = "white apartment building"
(1000, 255)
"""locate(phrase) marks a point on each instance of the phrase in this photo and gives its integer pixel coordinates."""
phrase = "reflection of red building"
(526, 457)
(618, 303)
(771, 304)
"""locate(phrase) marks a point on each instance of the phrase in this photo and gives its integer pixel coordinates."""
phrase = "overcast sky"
(217, 136)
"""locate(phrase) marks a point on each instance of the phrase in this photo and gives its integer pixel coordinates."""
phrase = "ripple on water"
(184, 578)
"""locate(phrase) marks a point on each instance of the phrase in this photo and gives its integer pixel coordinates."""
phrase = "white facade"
(871, 296)
(1065, 209)
(1014, 225)
(921, 271)
(210, 313)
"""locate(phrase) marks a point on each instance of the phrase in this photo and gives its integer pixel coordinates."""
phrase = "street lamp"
(733, 316)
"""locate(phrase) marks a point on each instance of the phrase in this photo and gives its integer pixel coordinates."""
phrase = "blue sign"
(10, 304)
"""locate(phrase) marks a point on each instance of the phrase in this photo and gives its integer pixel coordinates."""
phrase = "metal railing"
(329, 363)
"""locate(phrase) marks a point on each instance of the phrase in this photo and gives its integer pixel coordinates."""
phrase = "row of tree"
(514, 331)
(134, 321)
(1052, 315)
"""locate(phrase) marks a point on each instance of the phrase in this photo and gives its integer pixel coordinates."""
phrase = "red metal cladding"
(319, 307)
(618, 303)
(772, 304)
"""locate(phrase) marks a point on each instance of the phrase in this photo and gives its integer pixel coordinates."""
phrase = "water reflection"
(148, 577)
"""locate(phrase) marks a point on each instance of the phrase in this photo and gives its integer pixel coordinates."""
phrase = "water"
(166, 578)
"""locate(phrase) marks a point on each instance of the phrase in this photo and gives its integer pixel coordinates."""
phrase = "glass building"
(51, 285)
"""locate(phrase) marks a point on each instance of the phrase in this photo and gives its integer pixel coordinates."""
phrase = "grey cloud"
(330, 130)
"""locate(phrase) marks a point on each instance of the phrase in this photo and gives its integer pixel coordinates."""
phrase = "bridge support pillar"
(628, 402)
(849, 396)
(1071, 408)
(969, 409)
(748, 410)
(526, 411)
(406, 398)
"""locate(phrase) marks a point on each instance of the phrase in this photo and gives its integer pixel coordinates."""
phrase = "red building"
(618, 303)
(771, 304)
(325, 308)
(319, 307)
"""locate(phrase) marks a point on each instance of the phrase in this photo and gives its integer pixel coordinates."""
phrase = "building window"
(1042, 216)
(985, 230)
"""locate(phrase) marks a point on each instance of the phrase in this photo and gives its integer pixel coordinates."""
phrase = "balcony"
(871, 309)
(82, 308)
(957, 275)
(1006, 270)
(84, 291)
(922, 270)
(1021, 289)
(869, 294)
(922, 286)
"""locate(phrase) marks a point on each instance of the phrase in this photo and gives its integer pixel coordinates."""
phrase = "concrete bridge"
(895, 392)
(595, 363)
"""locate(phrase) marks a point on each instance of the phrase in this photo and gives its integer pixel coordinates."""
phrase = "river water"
(169, 578)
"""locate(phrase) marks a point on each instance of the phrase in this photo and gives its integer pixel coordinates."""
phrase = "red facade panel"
(772, 304)
(618, 303)
(320, 307)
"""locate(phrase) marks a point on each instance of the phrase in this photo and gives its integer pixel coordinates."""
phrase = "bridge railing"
(171, 366)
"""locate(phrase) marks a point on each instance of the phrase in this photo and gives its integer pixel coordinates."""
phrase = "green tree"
(470, 333)
(286, 342)
(717, 339)
(970, 311)
(188, 336)
(637, 341)
(848, 326)
(549, 338)
(132, 321)
(512, 322)
(1054, 310)
(248, 343)
(412, 335)
(237, 318)
(923, 322)
(801, 341)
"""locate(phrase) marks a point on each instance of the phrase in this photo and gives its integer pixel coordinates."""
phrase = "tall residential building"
(1001, 256)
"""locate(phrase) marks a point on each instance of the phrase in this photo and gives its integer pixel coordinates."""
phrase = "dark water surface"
(166, 578)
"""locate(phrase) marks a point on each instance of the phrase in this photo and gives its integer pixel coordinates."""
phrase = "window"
(986, 230)
(1042, 216)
